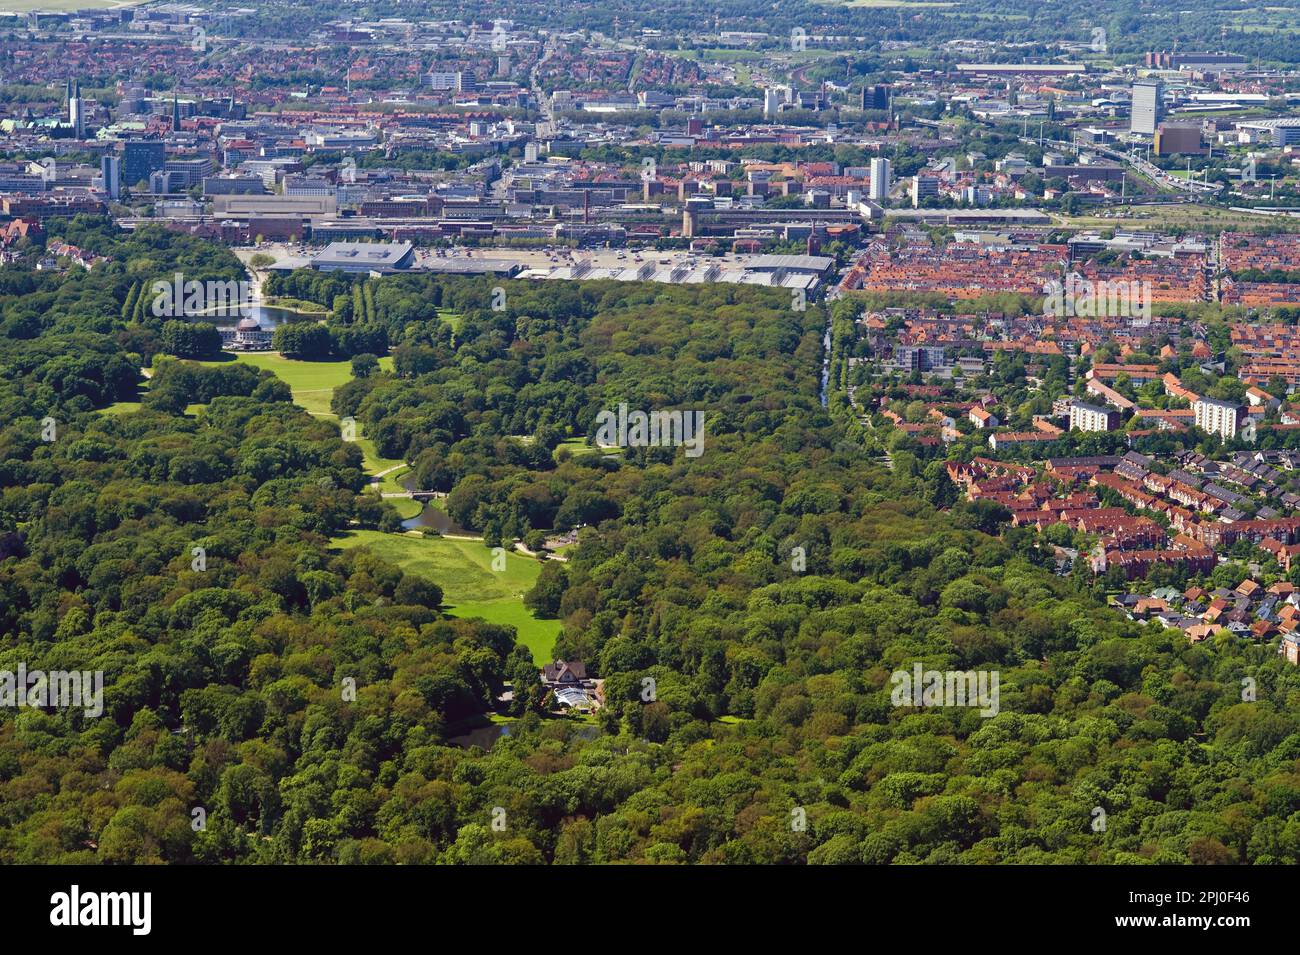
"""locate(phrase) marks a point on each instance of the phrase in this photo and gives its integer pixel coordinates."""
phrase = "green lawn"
(391, 483)
(301, 306)
(121, 407)
(537, 635)
(406, 507)
(374, 463)
(312, 382)
(463, 569)
(578, 447)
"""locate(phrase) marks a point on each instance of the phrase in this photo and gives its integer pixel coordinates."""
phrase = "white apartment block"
(880, 180)
(442, 80)
(1217, 417)
(1086, 417)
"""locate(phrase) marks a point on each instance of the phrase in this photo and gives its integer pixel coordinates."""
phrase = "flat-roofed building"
(237, 206)
(1183, 139)
(364, 257)
(1279, 132)
(1086, 417)
(1223, 418)
(924, 187)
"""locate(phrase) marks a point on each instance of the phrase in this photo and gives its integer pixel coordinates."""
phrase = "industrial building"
(1179, 139)
(364, 257)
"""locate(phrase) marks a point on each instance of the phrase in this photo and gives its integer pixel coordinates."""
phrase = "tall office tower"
(141, 158)
(1148, 107)
(880, 180)
(110, 168)
(924, 187)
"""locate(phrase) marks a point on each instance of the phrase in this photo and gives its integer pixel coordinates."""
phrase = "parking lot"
(543, 258)
(540, 259)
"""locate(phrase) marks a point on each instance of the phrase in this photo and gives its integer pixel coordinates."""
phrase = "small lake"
(269, 317)
(432, 517)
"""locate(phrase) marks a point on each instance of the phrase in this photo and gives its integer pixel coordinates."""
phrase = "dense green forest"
(227, 679)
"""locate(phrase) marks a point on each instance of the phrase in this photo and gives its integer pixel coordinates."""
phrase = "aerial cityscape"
(852, 432)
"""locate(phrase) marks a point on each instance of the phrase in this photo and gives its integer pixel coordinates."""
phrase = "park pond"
(268, 317)
(432, 517)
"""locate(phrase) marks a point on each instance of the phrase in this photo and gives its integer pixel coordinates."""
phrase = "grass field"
(374, 463)
(463, 569)
(298, 305)
(406, 507)
(312, 382)
(121, 407)
(391, 483)
(577, 447)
